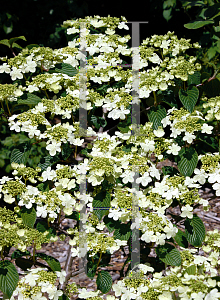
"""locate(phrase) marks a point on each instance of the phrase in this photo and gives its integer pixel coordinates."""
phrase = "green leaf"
(32, 46)
(19, 157)
(91, 267)
(28, 216)
(18, 253)
(167, 14)
(63, 297)
(123, 126)
(66, 151)
(15, 45)
(208, 140)
(180, 238)
(29, 99)
(197, 24)
(123, 232)
(188, 161)
(5, 42)
(189, 97)
(194, 78)
(168, 170)
(75, 216)
(169, 254)
(42, 227)
(104, 281)
(8, 277)
(101, 204)
(95, 121)
(49, 161)
(53, 263)
(65, 69)
(111, 224)
(191, 270)
(155, 115)
(24, 263)
(12, 40)
(195, 231)
(43, 187)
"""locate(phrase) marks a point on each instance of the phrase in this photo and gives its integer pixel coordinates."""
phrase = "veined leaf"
(197, 24)
(189, 97)
(195, 231)
(8, 277)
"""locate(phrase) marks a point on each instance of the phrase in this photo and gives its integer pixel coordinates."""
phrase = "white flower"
(165, 296)
(115, 214)
(122, 25)
(72, 30)
(127, 176)
(186, 211)
(206, 128)
(5, 68)
(159, 132)
(148, 145)
(84, 294)
(213, 295)
(117, 288)
(170, 231)
(174, 149)
(144, 180)
(200, 176)
(61, 276)
(16, 73)
(31, 279)
(48, 174)
(21, 232)
(197, 296)
(189, 137)
(145, 268)
(54, 147)
(148, 237)
(8, 198)
(166, 121)
(41, 211)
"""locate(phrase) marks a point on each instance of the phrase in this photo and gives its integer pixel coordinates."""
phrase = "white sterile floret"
(206, 128)
(159, 132)
(127, 176)
(54, 147)
(216, 187)
(187, 211)
(122, 25)
(114, 213)
(84, 293)
(148, 145)
(8, 198)
(48, 174)
(173, 149)
(144, 180)
(189, 137)
(213, 295)
(145, 268)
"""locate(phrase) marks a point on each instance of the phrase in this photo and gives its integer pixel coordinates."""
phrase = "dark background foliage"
(39, 20)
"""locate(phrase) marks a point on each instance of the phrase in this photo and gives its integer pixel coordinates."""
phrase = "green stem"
(8, 108)
(174, 296)
(99, 259)
(155, 99)
(2, 255)
(34, 251)
(59, 217)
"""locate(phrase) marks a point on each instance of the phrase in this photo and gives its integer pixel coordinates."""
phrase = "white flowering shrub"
(46, 93)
